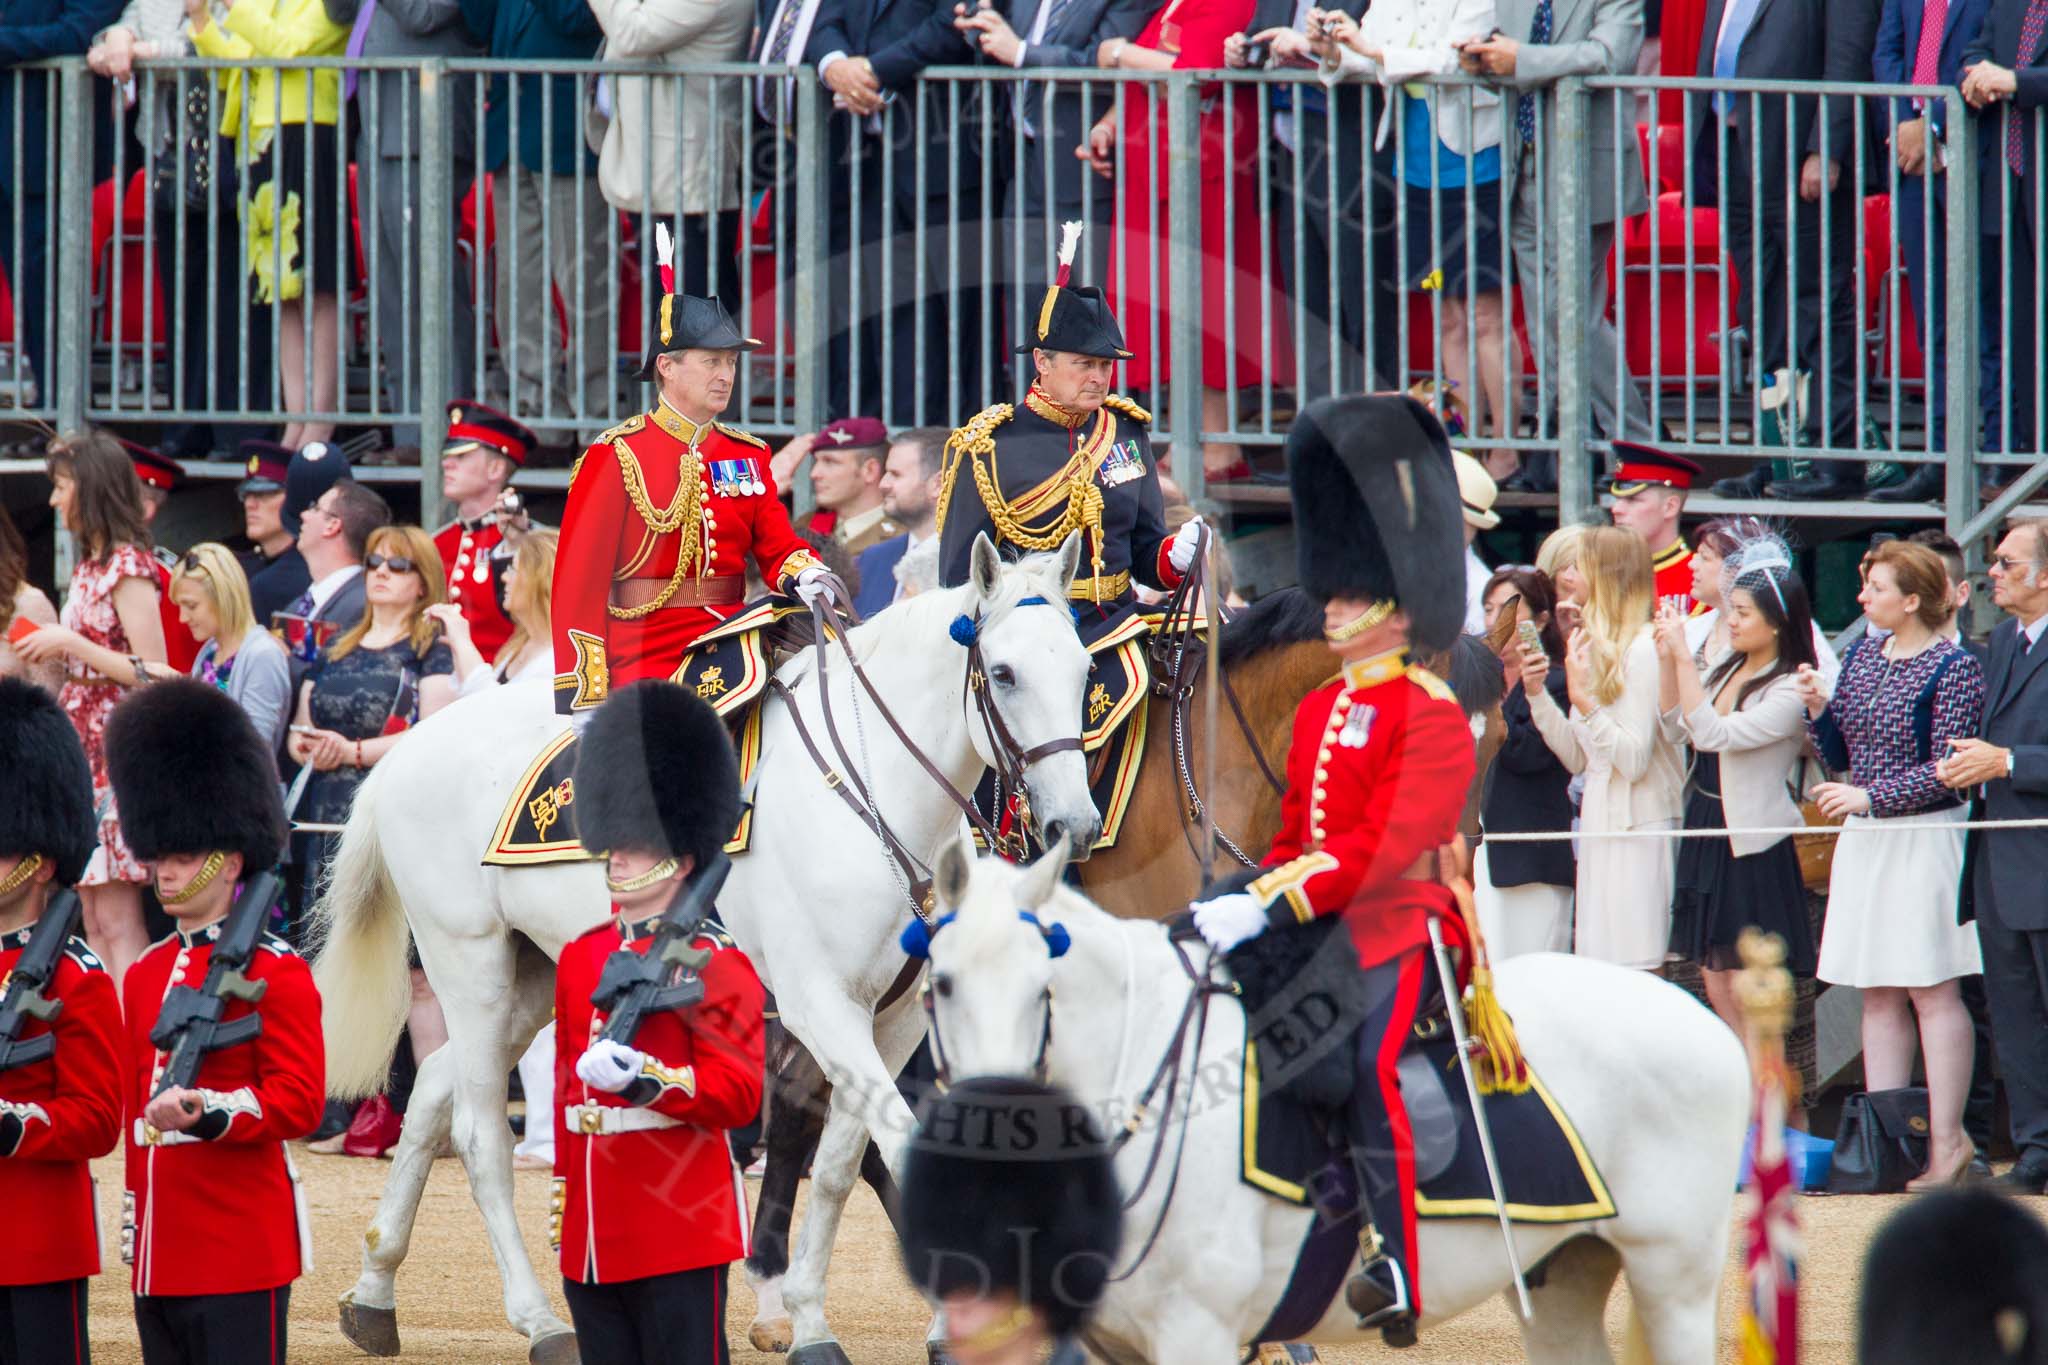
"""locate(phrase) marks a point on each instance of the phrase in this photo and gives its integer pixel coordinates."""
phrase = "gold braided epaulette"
(625, 428)
(1116, 402)
(739, 435)
(977, 437)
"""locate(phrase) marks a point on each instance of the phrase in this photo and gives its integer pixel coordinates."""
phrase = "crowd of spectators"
(1415, 160)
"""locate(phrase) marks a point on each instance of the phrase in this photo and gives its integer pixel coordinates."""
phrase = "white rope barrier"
(1557, 836)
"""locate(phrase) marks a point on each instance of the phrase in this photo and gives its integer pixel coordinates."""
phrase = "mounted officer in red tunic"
(664, 511)
(213, 1220)
(1377, 774)
(60, 1076)
(650, 1210)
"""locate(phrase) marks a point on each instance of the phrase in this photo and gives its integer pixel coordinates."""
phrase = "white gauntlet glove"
(1186, 542)
(609, 1066)
(1229, 920)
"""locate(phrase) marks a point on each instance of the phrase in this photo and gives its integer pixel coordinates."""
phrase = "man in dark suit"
(2007, 63)
(910, 495)
(870, 53)
(387, 161)
(1346, 270)
(534, 182)
(2005, 870)
(1909, 53)
(33, 30)
(1798, 40)
(1051, 186)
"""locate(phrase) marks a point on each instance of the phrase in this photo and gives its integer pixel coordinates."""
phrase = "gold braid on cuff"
(208, 870)
(660, 872)
(1363, 622)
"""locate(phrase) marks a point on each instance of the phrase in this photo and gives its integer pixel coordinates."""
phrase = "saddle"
(1302, 1004)
(728, 667)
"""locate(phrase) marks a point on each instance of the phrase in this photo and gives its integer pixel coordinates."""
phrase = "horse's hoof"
(558, 1349)
(819, 1353)
(374, 1331)
(772, 1337)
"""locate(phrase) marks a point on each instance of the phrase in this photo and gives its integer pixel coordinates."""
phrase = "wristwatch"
(2009, 757)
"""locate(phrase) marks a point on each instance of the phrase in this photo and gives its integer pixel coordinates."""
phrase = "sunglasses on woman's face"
(395, 563)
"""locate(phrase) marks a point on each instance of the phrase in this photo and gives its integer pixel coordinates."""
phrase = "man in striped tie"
(2007, 63)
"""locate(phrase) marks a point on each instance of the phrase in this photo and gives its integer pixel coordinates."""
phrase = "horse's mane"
(1279, 619)
(1474, 674)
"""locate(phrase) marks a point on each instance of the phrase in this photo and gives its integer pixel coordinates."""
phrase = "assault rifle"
(190, 1025)
(33, 972)
(635, 985)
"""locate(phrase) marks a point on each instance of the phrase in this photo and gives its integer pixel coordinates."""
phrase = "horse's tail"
(361, 936)
(1635, 1341)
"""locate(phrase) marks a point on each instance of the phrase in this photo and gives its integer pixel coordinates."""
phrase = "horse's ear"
(985, 567)
(1070, 560)
(950, 873)
(1043, 876)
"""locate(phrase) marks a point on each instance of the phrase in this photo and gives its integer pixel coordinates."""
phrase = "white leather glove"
(1229, 920)
(1186, 542)
(814, 584)
(609, 1066)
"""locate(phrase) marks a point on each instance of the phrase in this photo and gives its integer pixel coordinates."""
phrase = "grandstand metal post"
(68, 354)
(1961, 342)
(436, 224)
(1184, 247)
(814, 277)
(1575, 500)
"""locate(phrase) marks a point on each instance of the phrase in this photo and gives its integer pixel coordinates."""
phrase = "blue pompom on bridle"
(966, 629)
(916, 938)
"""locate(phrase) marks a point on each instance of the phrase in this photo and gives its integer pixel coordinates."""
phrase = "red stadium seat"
(124, 270)
(1883, 276)
(1662, 277)
(1667, 172)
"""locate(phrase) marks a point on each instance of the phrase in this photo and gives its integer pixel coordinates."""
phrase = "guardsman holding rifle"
(60, 1037)
(225, 1062)
(649, 1208)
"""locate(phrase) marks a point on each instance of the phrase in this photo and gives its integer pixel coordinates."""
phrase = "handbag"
(188, 126)
(1816, 851)
(1881, 1142)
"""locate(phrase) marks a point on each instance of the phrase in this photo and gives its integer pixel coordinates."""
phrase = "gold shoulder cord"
(1080, 510)
(683, 514)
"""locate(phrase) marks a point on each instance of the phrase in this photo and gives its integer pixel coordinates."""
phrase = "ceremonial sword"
(1454, 1006)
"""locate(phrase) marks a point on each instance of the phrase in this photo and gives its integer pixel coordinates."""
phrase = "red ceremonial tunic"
(221, 1214)
(1377, 775)
(659, 1199)
(180, 648)
(467, 554)
(1673, 566)
(649, 490)
(69, 1108)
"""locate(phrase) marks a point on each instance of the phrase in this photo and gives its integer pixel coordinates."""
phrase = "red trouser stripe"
(1401, 1023)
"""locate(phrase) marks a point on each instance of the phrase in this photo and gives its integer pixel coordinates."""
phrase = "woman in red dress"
(1189, 35)
(110, 639)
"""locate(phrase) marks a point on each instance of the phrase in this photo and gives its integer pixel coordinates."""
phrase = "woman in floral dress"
(109, 637)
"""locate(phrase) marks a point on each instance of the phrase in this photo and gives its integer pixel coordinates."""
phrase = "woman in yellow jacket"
(287, 128)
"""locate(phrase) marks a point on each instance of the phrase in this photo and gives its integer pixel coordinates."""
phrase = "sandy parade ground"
(450, 1311)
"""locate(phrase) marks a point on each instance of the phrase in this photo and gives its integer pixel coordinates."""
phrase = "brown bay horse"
(1273, 654)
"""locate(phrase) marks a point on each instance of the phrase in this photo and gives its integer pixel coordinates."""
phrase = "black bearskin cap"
(655, 770)
(1958, 1276)
(49, 801)
(1377, 512)
(1009, 1186)
(191, 775)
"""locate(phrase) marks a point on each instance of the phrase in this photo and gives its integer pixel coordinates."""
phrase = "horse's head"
(988, 995)
(1027, 684)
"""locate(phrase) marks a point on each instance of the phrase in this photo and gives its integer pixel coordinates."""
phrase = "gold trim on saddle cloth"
(728, 672)
(750, 758)
(536, 826)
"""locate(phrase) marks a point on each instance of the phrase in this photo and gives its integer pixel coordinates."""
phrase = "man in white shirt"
(333, 532)
(1477, 491)
(910, 494)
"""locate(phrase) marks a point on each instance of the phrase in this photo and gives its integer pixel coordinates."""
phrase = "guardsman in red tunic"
(213, 1222)
(1649, 498)
(664, 512)
(1377, 773)
(60, 1111)
(650, 1210)
(160, 476)
(484, 449)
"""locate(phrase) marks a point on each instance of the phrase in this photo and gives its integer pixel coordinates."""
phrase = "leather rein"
(1178, 658)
